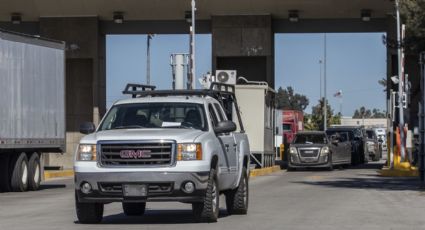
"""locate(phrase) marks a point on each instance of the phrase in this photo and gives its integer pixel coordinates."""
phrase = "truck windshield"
(155, 115)
(310, 139)
(286, 127)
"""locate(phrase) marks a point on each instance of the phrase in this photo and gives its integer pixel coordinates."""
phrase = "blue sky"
(355, 63)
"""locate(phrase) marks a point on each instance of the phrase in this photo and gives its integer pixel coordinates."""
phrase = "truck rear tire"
(4, 172)
(19, 181)
(88, 213)
(134, 209)
(237, 200)
(34, 178)
(207, 211)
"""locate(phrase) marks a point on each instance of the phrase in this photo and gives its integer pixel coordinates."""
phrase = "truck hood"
(179, 135)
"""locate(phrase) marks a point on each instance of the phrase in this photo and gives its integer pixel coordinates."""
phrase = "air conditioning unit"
(225, 77)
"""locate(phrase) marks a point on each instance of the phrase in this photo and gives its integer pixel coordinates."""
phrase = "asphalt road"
(343, 199)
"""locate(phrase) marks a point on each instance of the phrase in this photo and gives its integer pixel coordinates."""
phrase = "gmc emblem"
(135, 154)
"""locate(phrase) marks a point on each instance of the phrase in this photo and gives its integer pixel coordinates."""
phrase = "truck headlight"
(293, 150)
(189, 152)
(324, 151)
(86, 153)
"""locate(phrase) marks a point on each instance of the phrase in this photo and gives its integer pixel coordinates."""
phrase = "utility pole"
(148, 59)
(325, 109)
(321, 81)
(191, 80)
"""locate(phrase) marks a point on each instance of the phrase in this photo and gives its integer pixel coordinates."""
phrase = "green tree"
(413, 15)
(317, 116)
(288, 99)
(362, 112)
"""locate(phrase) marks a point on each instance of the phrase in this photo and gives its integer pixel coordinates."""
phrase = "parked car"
(355, 136)
(315, 149)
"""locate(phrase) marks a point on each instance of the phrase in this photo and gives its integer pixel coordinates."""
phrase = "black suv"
(358, 153)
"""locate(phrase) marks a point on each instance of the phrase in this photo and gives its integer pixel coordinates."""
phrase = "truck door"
(229, 142)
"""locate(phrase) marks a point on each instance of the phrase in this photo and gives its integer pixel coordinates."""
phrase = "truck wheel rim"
(214, 197)
(24, 173)
(37, 173)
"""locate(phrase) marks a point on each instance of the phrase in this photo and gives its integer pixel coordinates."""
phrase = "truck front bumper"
(297, 162)
(161, 186)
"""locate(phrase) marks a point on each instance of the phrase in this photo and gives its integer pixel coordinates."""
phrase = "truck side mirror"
(225, 127)
(87, 128)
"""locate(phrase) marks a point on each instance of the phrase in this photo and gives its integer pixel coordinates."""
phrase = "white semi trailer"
(32, 108)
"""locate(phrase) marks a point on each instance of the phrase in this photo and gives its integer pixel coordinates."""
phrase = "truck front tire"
(207, 211)
(88, 213)
(134, 209)
(19, 181)
(34, 178)
(237, 200)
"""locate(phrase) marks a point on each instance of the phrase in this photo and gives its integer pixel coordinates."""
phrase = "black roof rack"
(139, 90)
(136, 89)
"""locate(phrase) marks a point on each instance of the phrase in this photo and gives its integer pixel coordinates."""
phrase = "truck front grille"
(137, 154)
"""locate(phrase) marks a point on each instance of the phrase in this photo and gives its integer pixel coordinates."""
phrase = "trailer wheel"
(19, 182)
(88, 213)
(34, 178)
(237, 200)
(4, 172)
(207, 211)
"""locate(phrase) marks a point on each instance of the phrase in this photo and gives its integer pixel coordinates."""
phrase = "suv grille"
(137, 154)
(309, 152)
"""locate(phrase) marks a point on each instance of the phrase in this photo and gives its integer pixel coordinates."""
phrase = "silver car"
(316, 150)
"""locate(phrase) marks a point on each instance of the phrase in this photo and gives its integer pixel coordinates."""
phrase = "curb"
(398, 173)
(264, 171)
(56, 174)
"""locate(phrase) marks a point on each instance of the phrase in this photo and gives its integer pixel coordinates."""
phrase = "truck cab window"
(219, 112)
(213, 116)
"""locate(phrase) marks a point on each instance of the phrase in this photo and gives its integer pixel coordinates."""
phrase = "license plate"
(309, 160)
(135, 190)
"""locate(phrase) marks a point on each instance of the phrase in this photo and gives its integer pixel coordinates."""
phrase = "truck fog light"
(189, 187)
(86, 188)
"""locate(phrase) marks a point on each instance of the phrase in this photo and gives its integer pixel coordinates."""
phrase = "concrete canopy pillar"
(85, 75)
(246, 44)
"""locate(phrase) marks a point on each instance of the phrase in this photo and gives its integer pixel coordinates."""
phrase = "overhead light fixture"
(118, 17)
(293, 15)
(16, 18)
(188, 16)
(366, 15)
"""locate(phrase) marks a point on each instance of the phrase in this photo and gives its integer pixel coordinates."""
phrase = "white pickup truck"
(164, 146)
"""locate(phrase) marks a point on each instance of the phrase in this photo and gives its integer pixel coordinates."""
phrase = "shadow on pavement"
(157, 217)
(51, 186)
(373, 182)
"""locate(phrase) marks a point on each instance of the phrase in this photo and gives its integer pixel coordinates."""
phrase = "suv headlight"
(86, 153)
(324, 151)
(293, 150)
(189, 152)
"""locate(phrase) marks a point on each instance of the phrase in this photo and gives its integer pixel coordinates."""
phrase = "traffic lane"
(311, 199)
